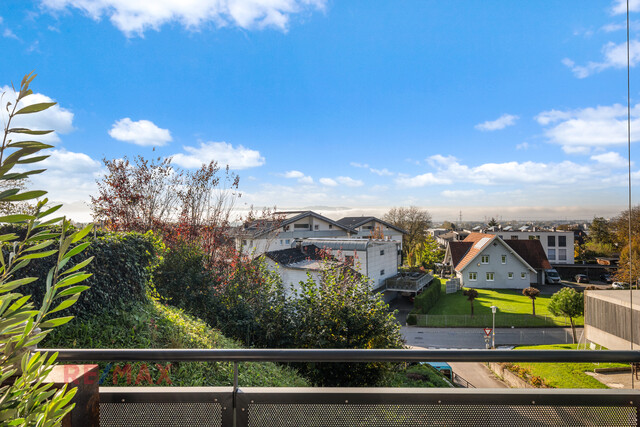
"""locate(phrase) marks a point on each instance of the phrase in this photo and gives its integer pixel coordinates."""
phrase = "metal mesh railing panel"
(179, 414)
(330, 415)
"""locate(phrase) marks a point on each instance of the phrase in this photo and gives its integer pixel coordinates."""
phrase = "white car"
(619, 285)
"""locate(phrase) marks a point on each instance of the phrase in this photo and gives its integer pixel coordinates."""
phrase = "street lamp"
(493, 330)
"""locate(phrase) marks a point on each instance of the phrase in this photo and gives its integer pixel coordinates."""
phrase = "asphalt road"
(474, 337)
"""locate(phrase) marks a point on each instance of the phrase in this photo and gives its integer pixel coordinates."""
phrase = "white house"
(376, 259)
(280, 232)
(293, 265)
(487, 261)
(557, 245)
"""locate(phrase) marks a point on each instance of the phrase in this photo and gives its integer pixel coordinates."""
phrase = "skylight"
(481, 242)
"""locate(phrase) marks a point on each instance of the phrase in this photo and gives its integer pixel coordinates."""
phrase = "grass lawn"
(565, 375)
(514, 309)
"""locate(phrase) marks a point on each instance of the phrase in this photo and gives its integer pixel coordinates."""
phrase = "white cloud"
(615, 56)
(349, 182)
(381, 172)
(225, 154)
(7, 33)
(622, 25)
(328, 182)
(500, 123)
(522, 146)
(611, 159)
(578, 131)
(620, 6)
(302, 178)
(421, 180)
(142, 132)
(359, 165)
(70, 178)
(137, 16)
(54, 118)
(449, 171)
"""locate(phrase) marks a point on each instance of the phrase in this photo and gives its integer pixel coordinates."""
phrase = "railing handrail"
(345, 355)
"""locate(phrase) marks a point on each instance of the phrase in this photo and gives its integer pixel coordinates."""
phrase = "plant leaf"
(34, 108)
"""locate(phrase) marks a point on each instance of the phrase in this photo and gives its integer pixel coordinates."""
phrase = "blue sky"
(505, 108)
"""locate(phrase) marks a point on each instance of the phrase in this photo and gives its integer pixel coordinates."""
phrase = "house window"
(382, 272)
(552, 254)
(281, 242)
(306, 226)
(534, 237)
(500, 236)
(504, 259)
(382, 252)
(286, 242)
(489, 277)
(562, 241)
(316, 227)
(473, 276)
(330, 226)
(514, 237)
(285, 228)
(562, 254)
(485, 259)
(510, 275)
(523, 275)
(551, 240)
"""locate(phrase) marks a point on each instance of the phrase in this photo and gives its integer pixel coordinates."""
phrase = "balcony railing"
(250, 406)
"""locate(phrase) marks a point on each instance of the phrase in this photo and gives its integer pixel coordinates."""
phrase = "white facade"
(376, 259)
(374, 228)
(557, 245)
(293, 274)
(496, 266)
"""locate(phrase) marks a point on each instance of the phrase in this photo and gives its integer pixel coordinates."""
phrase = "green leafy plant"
(569, 303)
(25, 398)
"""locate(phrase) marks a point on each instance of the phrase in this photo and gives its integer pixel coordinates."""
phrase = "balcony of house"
(408, 282)
(249, 406)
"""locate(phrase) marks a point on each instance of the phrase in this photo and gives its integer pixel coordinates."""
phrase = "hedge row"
(121, 269)
(428, 298)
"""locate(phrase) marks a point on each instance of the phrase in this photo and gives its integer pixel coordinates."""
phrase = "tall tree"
(569, 303)
(414, 221)
(427, 254)
(532, 293)
(471, 295)
(600, 231)
(493, 222)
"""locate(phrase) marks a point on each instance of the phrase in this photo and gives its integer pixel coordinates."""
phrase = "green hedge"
(428, 298)
(121, 270)
(150, 324)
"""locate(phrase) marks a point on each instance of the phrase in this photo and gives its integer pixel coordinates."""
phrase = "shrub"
(125, 267)
(412, 319)
(428, 298)
(340, 311)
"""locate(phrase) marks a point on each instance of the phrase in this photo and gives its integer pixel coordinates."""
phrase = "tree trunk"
(573, 330)
(533, 302)
(471, 308)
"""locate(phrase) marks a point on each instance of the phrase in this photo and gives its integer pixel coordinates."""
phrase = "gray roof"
(357, 221)
(261, 226)
(344, 244)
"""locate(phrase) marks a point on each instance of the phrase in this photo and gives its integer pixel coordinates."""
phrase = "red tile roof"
(531, 251)
(477, 245)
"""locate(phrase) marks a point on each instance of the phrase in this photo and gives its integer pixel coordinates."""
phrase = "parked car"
(552, 276)
(619, 285)
(606, 277)
(581, 278)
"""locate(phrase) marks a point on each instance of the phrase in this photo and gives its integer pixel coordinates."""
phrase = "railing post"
(235, 393)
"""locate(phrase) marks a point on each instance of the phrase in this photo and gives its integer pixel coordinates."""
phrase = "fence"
(314, 407)
(504, 320)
